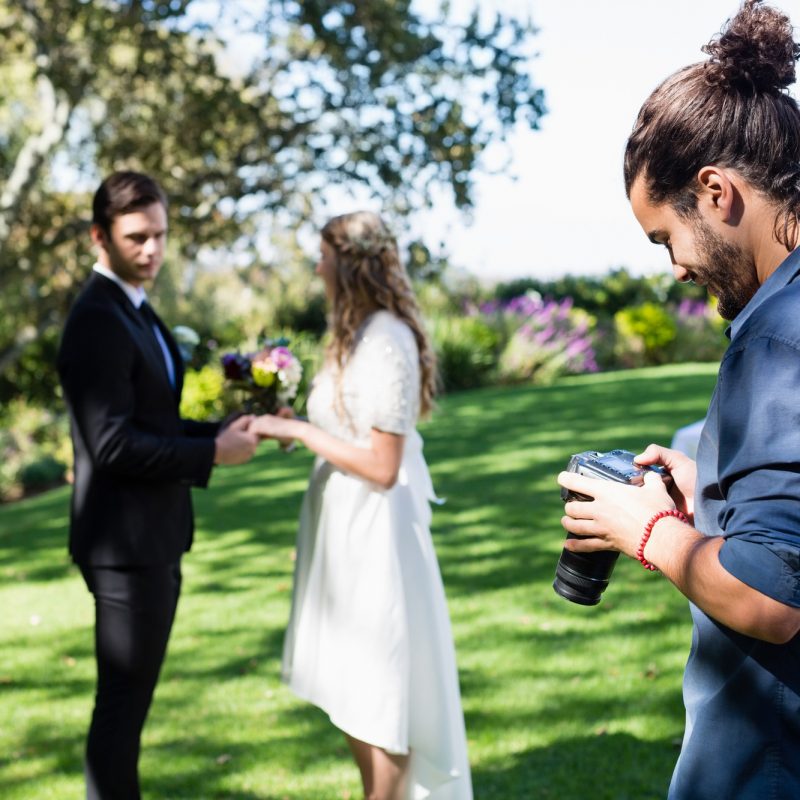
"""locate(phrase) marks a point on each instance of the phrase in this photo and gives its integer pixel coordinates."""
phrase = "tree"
(328, 92)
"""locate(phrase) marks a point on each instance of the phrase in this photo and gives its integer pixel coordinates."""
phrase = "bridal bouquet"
(269, 378)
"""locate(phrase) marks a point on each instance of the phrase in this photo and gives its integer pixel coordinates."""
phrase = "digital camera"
(583, 577)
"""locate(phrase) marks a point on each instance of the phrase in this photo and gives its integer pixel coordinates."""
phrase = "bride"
(369, 637)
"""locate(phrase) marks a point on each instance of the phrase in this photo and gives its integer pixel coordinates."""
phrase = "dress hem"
(394, 749)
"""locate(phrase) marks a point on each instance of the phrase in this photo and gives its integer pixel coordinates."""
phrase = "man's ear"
(718, 193)
(99, 236)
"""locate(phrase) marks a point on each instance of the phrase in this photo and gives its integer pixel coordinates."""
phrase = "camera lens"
(582, 577)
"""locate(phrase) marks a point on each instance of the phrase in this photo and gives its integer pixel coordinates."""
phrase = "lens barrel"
(582, 577)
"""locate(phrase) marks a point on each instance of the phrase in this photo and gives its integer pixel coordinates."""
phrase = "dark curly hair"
(731, 110)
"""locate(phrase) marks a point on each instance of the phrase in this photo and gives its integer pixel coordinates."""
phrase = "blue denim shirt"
(742, 695)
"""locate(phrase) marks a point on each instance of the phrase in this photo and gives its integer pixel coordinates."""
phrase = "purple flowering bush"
(700, 332)
(548, 339)
(533, 339)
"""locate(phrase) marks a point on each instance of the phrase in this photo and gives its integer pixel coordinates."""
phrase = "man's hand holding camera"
(616, 516)
(682, 470)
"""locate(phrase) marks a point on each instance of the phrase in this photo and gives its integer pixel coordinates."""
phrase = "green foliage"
(643, 335)
(604, 295)
(700, 336)
(32, 375)
(336, 93)
(560, 701)
(466, 349)
(424, 266)
(203, 396)
(309, 316)
(35, 448)
(436, 300)
(42, 473)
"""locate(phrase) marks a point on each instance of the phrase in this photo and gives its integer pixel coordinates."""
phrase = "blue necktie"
(151, 320)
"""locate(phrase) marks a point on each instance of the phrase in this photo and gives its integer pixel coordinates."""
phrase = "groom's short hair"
(122, 193)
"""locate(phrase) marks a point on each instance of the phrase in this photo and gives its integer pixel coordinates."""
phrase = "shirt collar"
(786, 272)
(136, 294)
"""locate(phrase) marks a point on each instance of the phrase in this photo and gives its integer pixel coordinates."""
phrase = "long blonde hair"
(370, 276)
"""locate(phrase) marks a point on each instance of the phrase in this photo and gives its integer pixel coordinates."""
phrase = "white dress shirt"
(137, 296)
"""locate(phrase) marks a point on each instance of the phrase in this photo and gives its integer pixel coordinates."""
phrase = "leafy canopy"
(239, 109)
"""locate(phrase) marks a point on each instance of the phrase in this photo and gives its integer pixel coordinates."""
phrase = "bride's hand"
(270, 426)
(286, 412)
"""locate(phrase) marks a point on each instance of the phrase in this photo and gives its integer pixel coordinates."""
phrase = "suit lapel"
(144, 337)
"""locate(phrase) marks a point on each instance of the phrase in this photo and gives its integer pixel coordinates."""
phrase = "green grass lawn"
(561, 701)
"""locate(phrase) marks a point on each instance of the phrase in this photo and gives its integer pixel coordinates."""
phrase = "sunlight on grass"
(560, 701)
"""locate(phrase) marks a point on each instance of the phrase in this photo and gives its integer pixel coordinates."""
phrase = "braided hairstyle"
(370, 276)
(731, 110)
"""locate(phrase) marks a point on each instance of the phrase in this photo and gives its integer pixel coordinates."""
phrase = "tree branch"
(55, 110)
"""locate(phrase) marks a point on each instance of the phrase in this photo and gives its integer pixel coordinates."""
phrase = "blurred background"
(490, 136)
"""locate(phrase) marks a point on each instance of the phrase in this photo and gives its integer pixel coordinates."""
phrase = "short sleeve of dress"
(392, 366)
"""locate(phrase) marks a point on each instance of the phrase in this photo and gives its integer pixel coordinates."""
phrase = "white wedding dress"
(369, 638)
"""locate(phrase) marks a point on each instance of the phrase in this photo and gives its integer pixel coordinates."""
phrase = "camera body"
(615, 465)
(583, 577)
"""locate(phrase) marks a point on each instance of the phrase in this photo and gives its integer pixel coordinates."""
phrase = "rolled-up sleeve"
(759, 466)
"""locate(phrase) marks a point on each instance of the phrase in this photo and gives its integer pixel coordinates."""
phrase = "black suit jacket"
(135, 458)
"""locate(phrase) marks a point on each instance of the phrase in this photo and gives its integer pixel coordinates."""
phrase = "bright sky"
(567, 212)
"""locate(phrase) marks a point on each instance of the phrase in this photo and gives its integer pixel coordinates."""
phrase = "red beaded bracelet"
(648, 529)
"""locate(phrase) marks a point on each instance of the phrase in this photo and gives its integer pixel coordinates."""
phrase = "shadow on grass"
(494, 456)
(306, 741)
(614, 766)
(33, 537)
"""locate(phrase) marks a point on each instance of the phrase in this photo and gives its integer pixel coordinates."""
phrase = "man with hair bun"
(712, 170)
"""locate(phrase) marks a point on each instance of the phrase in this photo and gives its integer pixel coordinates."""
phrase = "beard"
(726, 271)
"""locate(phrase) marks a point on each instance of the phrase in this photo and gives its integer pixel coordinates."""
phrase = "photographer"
(712, 170)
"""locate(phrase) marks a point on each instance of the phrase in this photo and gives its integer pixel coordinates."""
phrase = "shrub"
(551, 339)
(35, 448)
(466, 348)
(700, 332)
(644, 334)
(307, 315)
(41, 473)
(604, 295)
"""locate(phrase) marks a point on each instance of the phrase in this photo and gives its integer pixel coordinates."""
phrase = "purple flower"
(281, 356)
(235, 366)
(692, 308)
(550, 330)
(523, 305)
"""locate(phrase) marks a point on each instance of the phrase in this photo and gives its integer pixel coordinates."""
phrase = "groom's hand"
(233, 416)
(235, 444)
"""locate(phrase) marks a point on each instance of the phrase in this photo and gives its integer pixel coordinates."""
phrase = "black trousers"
(134, 610)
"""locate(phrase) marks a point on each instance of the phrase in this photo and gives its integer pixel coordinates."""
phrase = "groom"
(135, 462)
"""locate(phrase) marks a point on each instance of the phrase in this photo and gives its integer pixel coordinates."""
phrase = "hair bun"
(755, 52)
